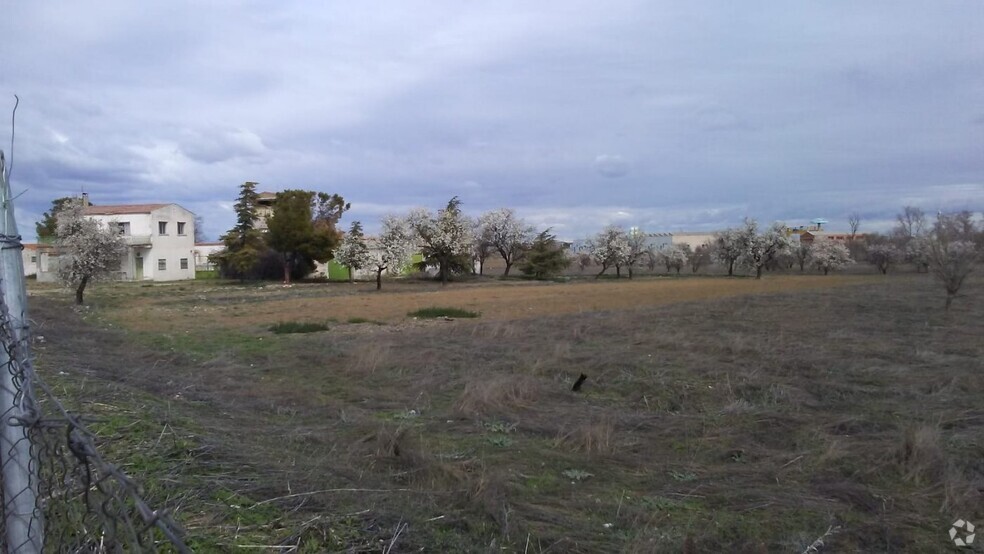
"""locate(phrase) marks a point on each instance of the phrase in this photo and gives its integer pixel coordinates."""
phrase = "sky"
(667, 116)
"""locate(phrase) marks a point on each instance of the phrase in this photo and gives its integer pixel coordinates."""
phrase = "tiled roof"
(123, 209)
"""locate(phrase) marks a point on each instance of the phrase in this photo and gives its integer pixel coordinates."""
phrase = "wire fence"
(83, 502)
(57, 492)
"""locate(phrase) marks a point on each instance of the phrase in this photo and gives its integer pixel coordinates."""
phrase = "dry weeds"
(775, 415)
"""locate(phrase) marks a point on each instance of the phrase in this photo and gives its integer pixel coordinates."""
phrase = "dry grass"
(773, 409)
(594, 437)
(498, 395)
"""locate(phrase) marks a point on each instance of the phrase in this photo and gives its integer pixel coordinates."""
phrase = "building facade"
(160, 241)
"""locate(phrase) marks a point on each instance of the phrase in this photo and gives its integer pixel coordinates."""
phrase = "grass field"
(717, 415)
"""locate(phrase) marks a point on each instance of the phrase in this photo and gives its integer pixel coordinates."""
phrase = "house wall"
(692, 239)
(202, 252)
(29, 255)
(146, 242)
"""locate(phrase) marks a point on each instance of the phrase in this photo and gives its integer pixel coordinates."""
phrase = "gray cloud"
(680, 115)
(611, 165)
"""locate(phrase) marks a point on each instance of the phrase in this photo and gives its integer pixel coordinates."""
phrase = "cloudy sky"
(665, 115)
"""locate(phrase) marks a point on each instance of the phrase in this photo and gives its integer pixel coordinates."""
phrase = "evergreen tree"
(48, 226)
(545, 258)
(296, 235)
(243, 243)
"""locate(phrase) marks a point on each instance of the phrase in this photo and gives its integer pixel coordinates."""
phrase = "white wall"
(146, 242)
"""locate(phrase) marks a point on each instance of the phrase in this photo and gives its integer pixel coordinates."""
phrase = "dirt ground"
(494, 300)
(733, 415)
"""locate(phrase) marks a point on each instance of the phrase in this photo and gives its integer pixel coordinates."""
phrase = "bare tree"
(854, 221)
(883, 256)
(801, 253)
(199, 229)
(699, 257)
(952, 252)
(911, 223)
(639, 249)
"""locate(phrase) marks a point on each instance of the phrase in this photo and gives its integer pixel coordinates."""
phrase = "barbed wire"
(84, 502)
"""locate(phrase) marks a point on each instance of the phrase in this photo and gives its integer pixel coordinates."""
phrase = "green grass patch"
(435, 312)
(356, 320)
(287, 327)
(207, 274)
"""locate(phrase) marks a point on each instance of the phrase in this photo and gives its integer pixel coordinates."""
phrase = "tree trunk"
(604, 268)
(630, 272)
(678, 270)
(758, 272)
(286, 270)
(379, 278)
(731, 268)
(508, 267)
(84, 282)
(825, 270)
(443, 268)
(618, 271)
(481, 266)
(351, 275)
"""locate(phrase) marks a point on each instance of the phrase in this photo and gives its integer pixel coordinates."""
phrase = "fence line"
(57, 492)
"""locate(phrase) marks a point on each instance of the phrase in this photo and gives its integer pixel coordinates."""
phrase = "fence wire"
(83, 502)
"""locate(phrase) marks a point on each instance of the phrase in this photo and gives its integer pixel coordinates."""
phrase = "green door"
(138, 274)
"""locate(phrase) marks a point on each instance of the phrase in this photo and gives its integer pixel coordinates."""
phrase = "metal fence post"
(22, 523)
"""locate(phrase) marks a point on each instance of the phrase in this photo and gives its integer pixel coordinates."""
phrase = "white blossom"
(509, 235)
(828, 255)
(610, 248)
(353, 252)
(87, 250)
(445, 238)
(674, 256)
(758, 249)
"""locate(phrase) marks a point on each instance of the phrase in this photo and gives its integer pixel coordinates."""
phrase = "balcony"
(137, 240)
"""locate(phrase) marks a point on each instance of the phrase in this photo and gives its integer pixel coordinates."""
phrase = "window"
(161, 227)
(181, 228)
(34, 259)
(123, 227)
(184, 262)
(162, 264)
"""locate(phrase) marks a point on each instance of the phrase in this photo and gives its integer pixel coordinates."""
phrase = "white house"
(30, 257)
(203, 250)
(160, 241)
(693, 240)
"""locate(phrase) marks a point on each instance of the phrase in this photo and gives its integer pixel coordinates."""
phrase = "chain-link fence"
(57, 492)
